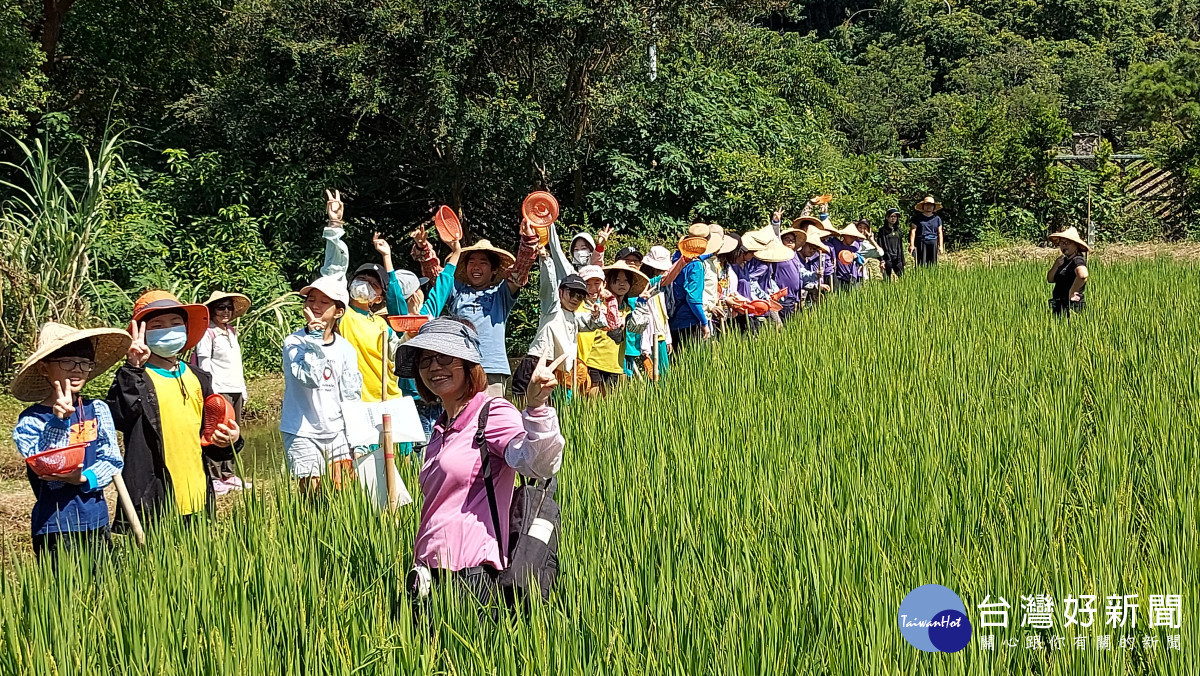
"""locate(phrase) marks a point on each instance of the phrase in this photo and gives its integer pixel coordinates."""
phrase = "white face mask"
(581, 256)
(361, 291)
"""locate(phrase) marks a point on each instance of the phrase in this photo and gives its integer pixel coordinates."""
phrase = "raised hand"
(313, 322)
(777, 217)
(527, 228)
(138, 353)
(603, 235)
(226, 434)
(64, 400)
(333, 206)
(420, 237)
(543, 382)
(382, 246)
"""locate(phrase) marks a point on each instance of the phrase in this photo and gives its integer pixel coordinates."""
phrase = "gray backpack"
(534, 521)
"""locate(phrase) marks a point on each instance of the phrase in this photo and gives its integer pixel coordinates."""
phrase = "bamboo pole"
(130, 513)
(389, 450)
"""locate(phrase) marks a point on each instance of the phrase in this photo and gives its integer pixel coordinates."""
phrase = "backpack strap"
(488, 483)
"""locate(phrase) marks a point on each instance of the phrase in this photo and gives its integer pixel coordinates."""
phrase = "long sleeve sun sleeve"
(518, 274)
(108, 453)
(439, 293)
(337, 256)
(424, 254)
(538, 451)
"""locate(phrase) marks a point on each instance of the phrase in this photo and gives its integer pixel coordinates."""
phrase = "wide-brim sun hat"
(729, 242)
(197, 315)
(638, 281)
(757, 240)
(241, 303)
(1071, 234)
(330, 286)
(775, 252)
(657, 258)
(506, 260)
(937, 206)
(109, 346)
(716, 239)
(813, 236)
(695, 242)
(443, 336)
(804, 221)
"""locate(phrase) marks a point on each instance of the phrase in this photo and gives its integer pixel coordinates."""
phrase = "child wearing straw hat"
(486, 285)
(220, 356)
(814, 257)
(70, 511)
(157, 402)
(627, 285)
(1069, 274)
(925, 237)
(848, 271)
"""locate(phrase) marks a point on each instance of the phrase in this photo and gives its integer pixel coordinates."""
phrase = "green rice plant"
(764, 510)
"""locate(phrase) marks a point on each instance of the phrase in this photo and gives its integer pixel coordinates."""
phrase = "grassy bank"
(764, 511)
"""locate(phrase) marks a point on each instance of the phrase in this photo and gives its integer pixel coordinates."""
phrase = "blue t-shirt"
(927, 226)
(488, 311)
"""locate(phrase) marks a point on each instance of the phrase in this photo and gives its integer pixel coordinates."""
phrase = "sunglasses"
(75, 365)
(426, 360)
(227, 307)
(573, 295)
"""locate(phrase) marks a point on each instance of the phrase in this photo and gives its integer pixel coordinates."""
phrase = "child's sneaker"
(220, 487)
(237, 483)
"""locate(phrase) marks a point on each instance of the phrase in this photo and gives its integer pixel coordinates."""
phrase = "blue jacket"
(688, 289)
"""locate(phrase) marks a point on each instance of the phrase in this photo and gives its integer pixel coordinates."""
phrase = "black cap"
(376, 271)
(573, 283)
(627, 252)
(892, 210)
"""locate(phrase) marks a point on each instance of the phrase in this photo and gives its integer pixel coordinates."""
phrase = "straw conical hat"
(1071, 235)
(757, 240)
(108, 344)
(813, 236)
(506, 260)
(775, 252)
(241, 304)
(638, 279)
(851, 230)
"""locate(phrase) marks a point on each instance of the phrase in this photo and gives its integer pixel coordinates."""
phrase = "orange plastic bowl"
(406, 323)
(57, 460)
(448, 226)
(692, 247)
(846, 257)
(823, 199)
(540, 209)
(217, 411)
(759, 308)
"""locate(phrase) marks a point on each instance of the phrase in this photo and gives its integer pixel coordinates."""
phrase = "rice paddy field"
(764, 511)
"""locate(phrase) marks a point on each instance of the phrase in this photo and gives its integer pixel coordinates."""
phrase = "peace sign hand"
(313, 322)
(420, 237)
(64, 400)
(333, 206)
(603, 235)
(138, 352)
(543, 382)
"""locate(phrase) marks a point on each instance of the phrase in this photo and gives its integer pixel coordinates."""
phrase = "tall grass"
(763, 511)
(47, 224)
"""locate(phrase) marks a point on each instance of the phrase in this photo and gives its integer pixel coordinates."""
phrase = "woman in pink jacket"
(456, 541)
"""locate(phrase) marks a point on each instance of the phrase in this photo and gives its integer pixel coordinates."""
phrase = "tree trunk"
(53, 14)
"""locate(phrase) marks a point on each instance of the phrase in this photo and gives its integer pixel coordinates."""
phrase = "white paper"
(371, 470)
(364, 422)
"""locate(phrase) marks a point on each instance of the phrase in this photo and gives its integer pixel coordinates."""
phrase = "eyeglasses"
(442, 359)
(227, 307)
(75, 365)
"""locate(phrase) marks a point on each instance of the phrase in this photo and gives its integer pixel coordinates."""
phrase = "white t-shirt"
(219, 355)
(317, 379)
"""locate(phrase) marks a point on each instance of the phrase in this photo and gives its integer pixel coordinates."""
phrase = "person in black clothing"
(1069, 274)
(925, 239)
(891, 242)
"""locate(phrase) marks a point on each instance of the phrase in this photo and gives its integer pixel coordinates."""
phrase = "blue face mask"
(167, 343)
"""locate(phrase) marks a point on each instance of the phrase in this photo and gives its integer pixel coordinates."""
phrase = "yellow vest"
(598, 351)
(181, 417)
(365, 332)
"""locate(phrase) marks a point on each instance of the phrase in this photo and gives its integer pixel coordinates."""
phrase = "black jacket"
(134, 406)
